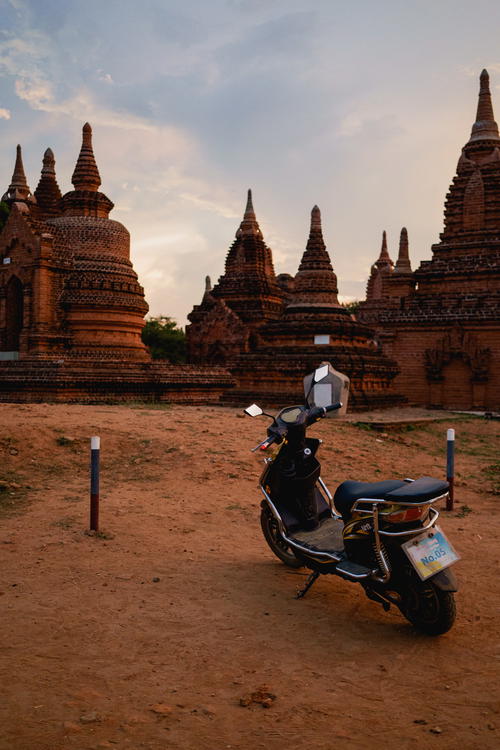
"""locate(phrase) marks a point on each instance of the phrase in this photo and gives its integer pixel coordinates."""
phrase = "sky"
(361, 108)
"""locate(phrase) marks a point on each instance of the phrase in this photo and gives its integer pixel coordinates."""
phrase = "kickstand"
(377, 598)
(309, 583)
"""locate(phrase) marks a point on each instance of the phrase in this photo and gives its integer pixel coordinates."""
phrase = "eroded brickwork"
(442, 322)
(71, 306)
(270, 331)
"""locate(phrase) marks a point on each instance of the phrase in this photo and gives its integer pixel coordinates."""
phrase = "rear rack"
(374, 510)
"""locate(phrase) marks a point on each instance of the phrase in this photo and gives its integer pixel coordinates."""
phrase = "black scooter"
(382, 535)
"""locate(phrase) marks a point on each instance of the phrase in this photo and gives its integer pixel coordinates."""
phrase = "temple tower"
(403, 264)
(71, 307)
(382, 268)
(314, 327)
(315, 283)
(103, 303)
(232, 313)
(47, 194)
(442, 322)
(248, 285)
(19, 191)
(67, 286)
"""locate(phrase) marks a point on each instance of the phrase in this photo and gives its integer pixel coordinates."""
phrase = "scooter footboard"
(290, 514)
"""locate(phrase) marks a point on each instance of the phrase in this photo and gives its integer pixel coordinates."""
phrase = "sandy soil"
(148, 635)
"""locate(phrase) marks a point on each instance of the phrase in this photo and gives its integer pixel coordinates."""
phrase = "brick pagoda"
(270, 331)
(71, 307)
(441, 323)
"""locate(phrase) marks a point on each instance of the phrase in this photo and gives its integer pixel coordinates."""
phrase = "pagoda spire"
(403, 262)
(383, 266)
(485, 126)
(316, 248)
(249, 225)
(384, 260)
(85, 199)
(47, 193)
(383, 250)
(18, 177)
(86, 175)
(316, 223)
(315, 282)
(18, 190)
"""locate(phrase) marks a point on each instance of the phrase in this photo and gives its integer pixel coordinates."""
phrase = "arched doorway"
(14, 314)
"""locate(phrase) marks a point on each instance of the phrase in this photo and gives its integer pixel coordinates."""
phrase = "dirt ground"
(148, 635)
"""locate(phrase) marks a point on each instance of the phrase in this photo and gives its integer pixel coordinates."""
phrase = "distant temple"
(270, 331)
(441, 323)
(71, 307)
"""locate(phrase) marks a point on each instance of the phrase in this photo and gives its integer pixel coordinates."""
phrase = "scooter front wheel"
(276, 542)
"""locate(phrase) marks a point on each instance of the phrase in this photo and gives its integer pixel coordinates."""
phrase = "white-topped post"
(95, 448)
(450, 465)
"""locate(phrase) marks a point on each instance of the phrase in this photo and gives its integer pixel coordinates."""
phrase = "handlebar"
(265, 444)
(334, 407)
(313, 415)
(318, 412)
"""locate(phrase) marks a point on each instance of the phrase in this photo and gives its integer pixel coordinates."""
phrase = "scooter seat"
(349, 491)
(392, 490)
(425, 488)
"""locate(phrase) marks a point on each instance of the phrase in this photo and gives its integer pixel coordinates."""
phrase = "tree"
(164, 339)
(352, 307)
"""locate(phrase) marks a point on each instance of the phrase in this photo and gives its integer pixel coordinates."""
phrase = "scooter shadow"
(265, 591)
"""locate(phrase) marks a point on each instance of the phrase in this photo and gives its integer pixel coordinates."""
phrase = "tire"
(275, 541)
(430, 609)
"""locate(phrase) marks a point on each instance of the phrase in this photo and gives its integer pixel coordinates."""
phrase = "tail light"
(404, 514)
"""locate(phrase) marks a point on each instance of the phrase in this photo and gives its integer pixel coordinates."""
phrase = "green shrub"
(164, 339)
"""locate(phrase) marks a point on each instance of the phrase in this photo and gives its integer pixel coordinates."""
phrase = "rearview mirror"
(320, 373)
(253, 410)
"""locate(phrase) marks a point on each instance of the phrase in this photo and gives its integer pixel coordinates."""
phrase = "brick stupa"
(442, 322)
(271, 331)
(71, 306)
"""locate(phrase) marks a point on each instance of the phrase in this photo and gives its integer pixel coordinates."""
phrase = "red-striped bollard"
(95, 445)
(450, 465)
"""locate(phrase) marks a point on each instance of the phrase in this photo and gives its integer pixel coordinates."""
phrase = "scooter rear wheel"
(276, 542)
(427, 607)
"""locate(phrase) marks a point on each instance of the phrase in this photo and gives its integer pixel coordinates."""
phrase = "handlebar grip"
(333, 407)
(265, 444)
(269, 441)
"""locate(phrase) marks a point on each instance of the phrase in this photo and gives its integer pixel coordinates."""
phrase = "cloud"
(210, 205)
(376, 126)
(106, 77)
(30, 58)
(35, 91)
(4, 114)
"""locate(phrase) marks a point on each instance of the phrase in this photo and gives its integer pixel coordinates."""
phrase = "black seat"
(392, 490)
(348, 492)
(425, 488)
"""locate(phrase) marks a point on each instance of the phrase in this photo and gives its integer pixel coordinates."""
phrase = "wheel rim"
(422, 604)
(277, 538)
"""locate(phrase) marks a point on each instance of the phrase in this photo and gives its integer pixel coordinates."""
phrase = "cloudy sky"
(361, 107)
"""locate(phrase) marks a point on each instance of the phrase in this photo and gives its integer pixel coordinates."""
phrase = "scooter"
(381, 535)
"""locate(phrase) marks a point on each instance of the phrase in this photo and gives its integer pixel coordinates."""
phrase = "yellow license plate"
(430, 552)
